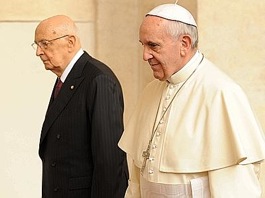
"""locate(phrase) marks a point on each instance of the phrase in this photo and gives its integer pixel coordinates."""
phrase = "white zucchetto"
(173, 12)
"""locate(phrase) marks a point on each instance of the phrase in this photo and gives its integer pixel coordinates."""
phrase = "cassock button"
(72, 87)
(151, 158)
(150, 171)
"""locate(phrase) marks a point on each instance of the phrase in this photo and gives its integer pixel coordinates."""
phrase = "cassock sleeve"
(235, 181)
(133, 190)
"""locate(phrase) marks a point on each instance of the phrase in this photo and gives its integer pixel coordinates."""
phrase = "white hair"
(176, 29)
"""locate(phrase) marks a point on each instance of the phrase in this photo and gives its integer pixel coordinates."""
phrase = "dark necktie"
(58, 87)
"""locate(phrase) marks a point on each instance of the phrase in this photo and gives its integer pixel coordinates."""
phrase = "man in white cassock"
(193, 133)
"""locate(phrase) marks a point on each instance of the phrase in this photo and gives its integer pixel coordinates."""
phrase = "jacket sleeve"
(109, 161)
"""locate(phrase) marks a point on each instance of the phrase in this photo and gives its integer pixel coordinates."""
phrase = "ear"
(185, 44)
(71, 42)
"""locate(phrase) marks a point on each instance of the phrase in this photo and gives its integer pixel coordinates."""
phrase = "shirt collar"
(71, 64)
(187, 70)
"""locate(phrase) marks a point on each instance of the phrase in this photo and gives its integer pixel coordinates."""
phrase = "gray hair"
(176, 29)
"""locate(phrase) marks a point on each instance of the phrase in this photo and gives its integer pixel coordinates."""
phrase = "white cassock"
(206, 141)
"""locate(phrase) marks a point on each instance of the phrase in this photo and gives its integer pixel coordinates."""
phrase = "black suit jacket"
(79, 137)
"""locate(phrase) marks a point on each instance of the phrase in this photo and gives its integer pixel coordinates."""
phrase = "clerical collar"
(187, 70)
(71, 64)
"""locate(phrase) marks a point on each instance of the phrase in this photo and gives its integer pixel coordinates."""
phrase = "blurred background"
(231, 34)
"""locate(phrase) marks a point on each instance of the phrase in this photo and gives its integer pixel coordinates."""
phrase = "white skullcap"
(173, 12)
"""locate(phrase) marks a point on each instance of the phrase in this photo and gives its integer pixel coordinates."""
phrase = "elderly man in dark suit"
(84, 120)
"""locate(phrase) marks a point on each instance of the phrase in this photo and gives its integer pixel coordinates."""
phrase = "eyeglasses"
(43, 44)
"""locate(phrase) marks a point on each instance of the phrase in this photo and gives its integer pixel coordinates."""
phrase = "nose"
(39, 51)
(147, 54)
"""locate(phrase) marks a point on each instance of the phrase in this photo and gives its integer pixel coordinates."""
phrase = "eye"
(153, 45)
(44, 44)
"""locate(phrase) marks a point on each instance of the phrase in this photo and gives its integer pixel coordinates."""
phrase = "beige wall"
(231, 35)
(32, 10)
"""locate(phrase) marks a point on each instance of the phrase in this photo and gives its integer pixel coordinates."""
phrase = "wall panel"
(35, 10)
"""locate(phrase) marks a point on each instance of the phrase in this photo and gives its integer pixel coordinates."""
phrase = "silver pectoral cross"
(146, 155)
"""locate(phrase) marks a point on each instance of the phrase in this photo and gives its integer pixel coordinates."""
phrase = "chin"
(157, 75)
(47, 67)
(158, 78)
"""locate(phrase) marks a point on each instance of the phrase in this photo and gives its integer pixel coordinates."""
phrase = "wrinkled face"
(160, 49)
(54, 54)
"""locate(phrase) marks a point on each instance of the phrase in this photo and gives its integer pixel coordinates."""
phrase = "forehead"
(42, 34)
(46, 30)
(153, 28)
(152, 23)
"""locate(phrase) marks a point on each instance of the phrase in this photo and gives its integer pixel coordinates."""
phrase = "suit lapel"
(69, 87)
